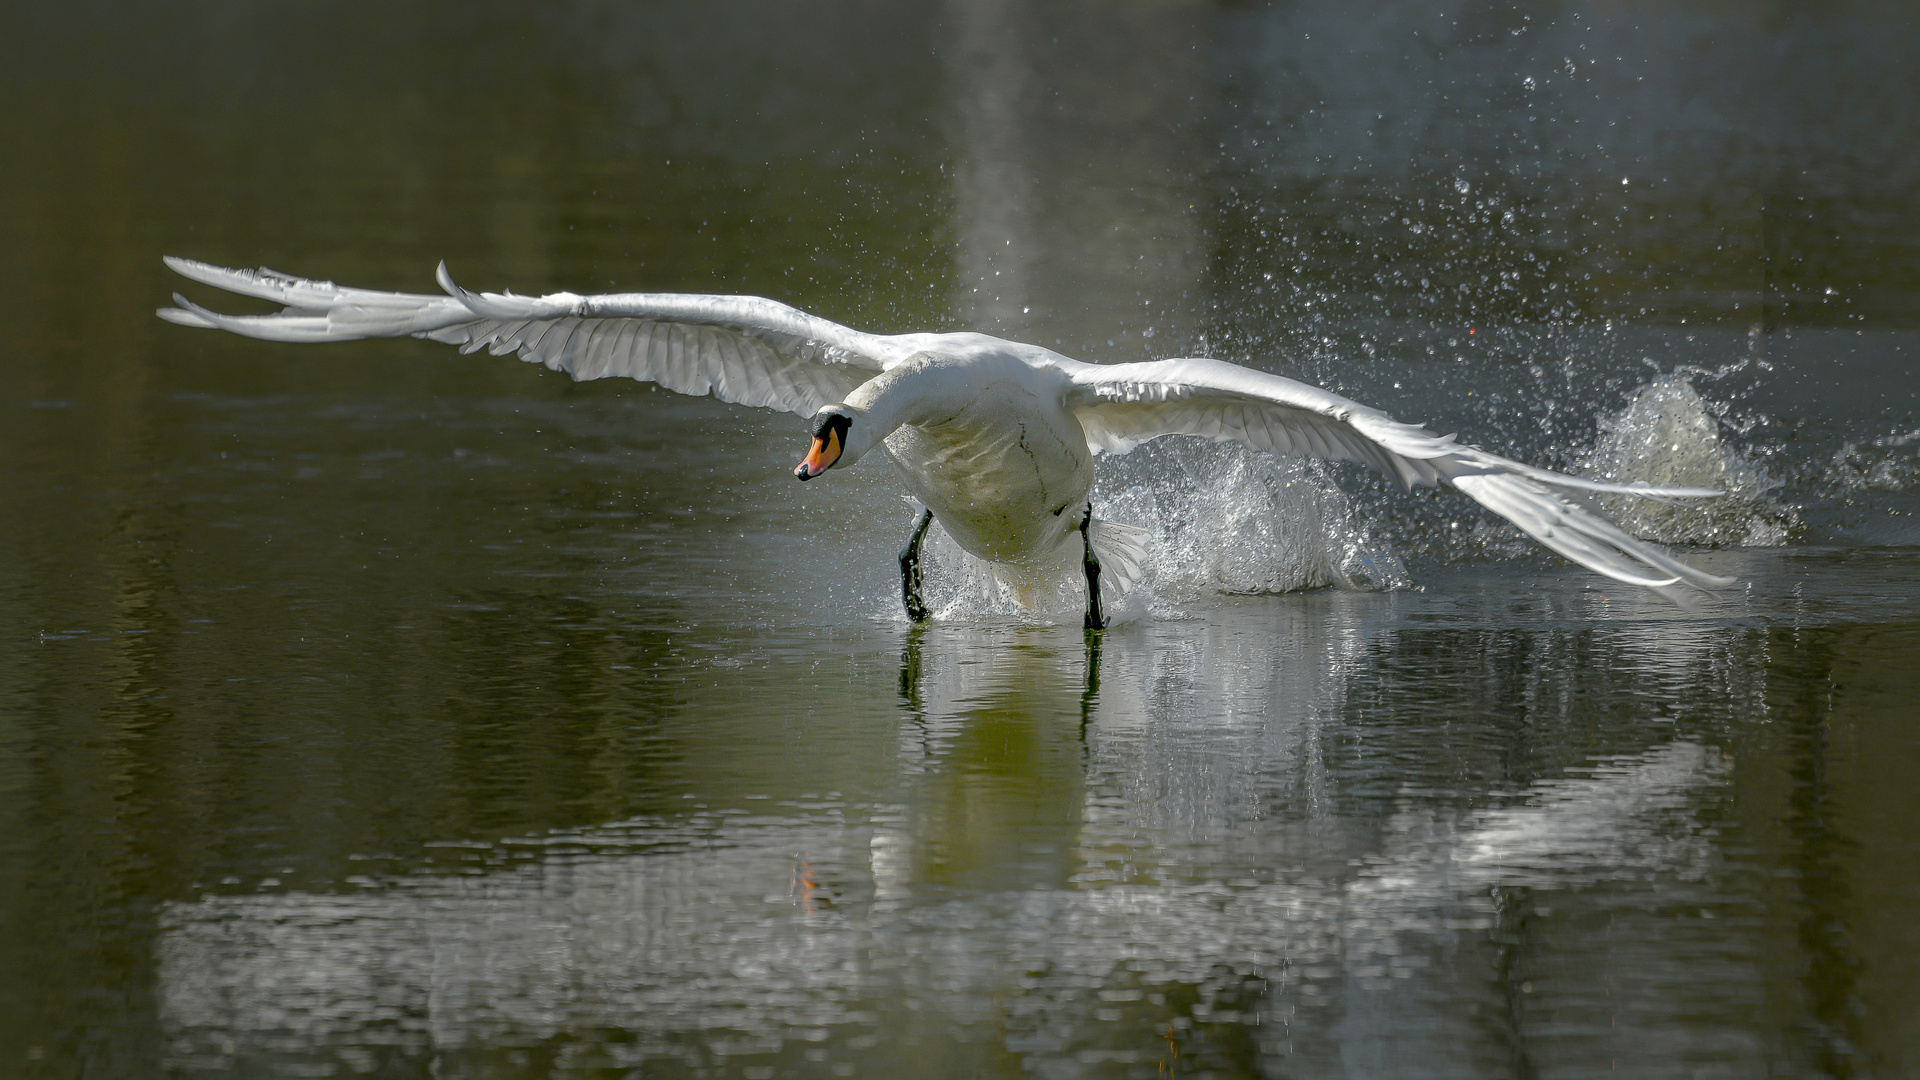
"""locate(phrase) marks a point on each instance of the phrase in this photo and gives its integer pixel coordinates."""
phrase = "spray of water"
(1222, 519)
(1227, 519)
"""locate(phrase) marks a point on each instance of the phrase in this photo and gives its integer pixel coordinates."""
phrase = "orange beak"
(820, 458)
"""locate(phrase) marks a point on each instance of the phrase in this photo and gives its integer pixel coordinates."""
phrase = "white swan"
(995, 438)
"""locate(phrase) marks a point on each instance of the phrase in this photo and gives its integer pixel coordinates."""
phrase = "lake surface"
(371, 710)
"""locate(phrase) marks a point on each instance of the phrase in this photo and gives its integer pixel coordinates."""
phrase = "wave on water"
(1667, 433)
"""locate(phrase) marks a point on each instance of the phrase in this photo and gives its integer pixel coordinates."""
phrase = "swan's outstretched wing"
(1124, 405)
(738, 348)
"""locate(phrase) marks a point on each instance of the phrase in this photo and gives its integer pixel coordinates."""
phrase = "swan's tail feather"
(1122, 551)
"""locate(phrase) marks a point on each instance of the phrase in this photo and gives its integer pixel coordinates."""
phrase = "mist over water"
(373, 710)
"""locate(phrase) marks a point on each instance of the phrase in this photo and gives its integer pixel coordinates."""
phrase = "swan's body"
(995, 437)
(984, 443)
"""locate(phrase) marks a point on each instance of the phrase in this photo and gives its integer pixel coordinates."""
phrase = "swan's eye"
(835, 425)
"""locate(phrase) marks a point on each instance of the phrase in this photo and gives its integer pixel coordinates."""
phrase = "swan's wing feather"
(741, 349)
(1123, 405)
(1564, 522)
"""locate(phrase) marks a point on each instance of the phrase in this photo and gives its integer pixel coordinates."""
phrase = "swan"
(995, 438)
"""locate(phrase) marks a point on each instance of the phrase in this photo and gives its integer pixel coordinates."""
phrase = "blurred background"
(357, 701)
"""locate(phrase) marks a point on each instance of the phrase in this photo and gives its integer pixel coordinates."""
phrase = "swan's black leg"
(910, 577)
(1091, 563)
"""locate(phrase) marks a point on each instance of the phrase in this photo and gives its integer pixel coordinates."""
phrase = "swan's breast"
(1007, 475)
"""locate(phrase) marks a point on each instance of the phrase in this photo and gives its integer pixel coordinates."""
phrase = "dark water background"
(373, 710)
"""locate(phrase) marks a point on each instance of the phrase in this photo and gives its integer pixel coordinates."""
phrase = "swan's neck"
(911, 393)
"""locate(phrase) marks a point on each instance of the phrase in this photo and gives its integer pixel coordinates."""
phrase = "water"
(373, 710)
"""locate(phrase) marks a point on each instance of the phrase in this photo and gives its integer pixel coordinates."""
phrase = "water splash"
(960, 587)
(1667, 434)
(1888, 463)
(1225, 520)
(1231, 520)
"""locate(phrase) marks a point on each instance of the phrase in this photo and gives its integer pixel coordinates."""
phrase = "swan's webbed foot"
(1091, 564)
(912, 580)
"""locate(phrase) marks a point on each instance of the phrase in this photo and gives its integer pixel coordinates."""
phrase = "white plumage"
(995, 437)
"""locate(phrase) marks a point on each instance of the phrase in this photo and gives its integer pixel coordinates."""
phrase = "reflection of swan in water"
(995, 437)
(674, 932)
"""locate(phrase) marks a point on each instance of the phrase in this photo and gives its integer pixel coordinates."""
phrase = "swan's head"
(840, 435)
